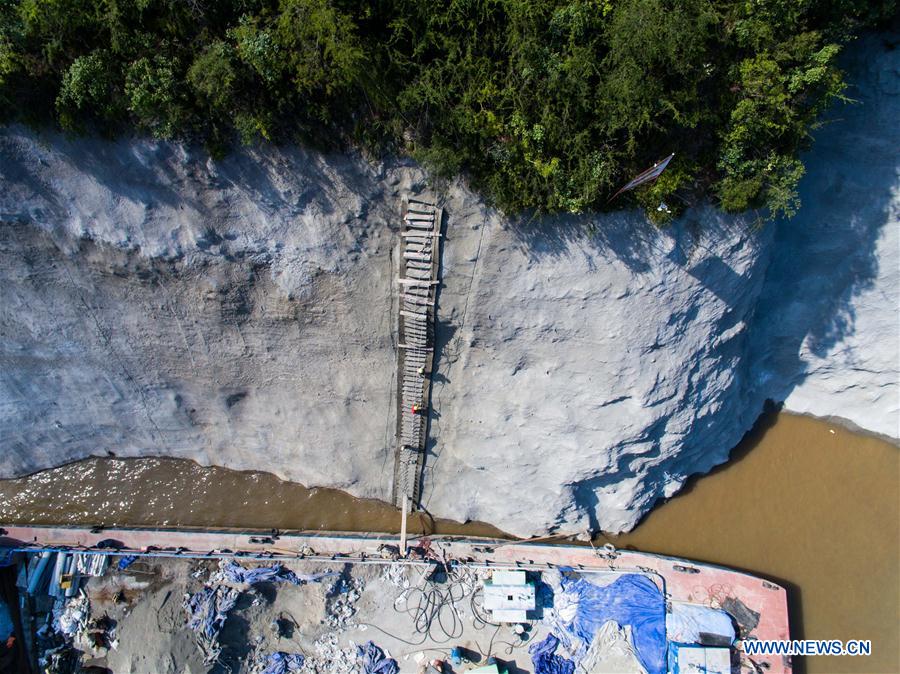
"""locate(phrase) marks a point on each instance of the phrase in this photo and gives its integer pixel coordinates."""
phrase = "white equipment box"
(508, 596)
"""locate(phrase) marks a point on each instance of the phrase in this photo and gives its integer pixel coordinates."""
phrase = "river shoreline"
(762, 511)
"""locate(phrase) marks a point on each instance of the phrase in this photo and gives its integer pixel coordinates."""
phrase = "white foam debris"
(341, 606)
(397, 575)
(331, 658)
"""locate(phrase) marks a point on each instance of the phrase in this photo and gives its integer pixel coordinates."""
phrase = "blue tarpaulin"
(7, 627)
(208, 609)
(374, 661)
(545, 660)
(126, 560)
(283, 663)
(631, 599)
(236, 573)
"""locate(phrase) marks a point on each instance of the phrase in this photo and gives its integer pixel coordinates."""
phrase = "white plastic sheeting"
(612, 652)
(688, 622)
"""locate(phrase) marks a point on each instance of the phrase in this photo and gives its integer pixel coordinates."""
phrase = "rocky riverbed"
(154, 302)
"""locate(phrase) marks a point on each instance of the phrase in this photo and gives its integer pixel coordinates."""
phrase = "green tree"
(90, 88)
(781, 92)
(11, 35)
(323, 52)
(213, 76)
(152, 90)
(548, 105)
(258, 48)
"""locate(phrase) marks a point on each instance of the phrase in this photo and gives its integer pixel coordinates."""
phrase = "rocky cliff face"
(240, 313)
(826, 338)
(154, 303)
(589, 374)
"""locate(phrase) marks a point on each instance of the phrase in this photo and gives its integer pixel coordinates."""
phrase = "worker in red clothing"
(416, 409)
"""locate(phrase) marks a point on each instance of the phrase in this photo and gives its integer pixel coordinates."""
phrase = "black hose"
(428, 610)
(427, 607)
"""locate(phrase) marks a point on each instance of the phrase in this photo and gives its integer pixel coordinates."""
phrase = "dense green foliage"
(548, 104)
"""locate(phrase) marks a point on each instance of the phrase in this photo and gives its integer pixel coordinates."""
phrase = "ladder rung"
(416, 282)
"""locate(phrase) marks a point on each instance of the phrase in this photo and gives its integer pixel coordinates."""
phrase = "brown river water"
(803, 502)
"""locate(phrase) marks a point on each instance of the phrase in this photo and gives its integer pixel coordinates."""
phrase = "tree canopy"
(546, 104)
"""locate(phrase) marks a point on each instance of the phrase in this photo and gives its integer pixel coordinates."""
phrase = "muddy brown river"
(804, 502)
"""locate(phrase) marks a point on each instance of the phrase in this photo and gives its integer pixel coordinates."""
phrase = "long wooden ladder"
(417, 285)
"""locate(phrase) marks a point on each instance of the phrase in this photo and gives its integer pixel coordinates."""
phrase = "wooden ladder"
(417, 283)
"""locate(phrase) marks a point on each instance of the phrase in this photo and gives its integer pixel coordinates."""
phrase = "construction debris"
(207, 610)
(71, 615)
(341, 609)
(233, 572)
(397, 575)
(88, 564)
(332, 658)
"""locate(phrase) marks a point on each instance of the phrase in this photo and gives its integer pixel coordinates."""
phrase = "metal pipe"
(34, 582)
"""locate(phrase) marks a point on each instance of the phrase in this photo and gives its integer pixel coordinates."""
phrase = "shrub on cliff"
(547, 104)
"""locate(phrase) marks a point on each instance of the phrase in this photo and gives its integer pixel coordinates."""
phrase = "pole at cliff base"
(403, 526)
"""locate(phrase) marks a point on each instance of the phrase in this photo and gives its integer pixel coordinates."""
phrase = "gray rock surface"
(240, 313)
(155, 303)
(589, 373)
(827, 335)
